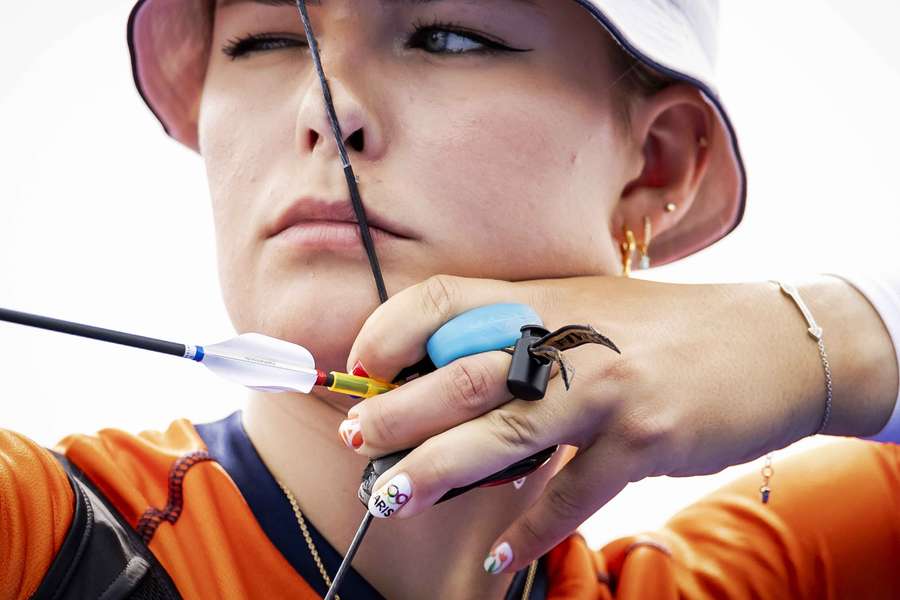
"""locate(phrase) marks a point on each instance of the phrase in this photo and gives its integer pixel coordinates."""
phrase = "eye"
(446, 38)
(260, 42)
(439, 41)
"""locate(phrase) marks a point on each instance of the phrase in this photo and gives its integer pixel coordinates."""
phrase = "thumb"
(570, 498)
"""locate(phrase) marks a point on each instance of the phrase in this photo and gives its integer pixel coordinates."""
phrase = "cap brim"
(169, 41)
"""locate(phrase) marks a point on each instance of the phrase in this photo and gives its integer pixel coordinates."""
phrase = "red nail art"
(359, 370)
(351, 434)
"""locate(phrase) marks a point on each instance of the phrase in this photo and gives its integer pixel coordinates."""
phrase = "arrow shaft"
(91, 332)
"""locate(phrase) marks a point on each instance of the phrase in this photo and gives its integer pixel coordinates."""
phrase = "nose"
(359, 129)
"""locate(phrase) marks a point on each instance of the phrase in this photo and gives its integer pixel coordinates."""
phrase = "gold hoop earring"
(644, 246)
(627, 246)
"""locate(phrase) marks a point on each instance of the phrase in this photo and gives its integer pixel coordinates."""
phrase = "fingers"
(407, 416)
(569, 499)
(462, 455)
(394, 336)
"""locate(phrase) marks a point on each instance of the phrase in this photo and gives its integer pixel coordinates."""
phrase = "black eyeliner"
(423, 28)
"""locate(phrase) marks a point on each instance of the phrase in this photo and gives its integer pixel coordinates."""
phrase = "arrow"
(254, 360)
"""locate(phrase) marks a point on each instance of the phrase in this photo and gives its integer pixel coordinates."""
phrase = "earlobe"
(672, 129)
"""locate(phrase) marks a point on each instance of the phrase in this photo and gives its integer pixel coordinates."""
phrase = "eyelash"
(421, 30)
(241, 47)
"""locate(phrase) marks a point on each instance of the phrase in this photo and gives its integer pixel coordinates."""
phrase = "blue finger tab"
(482, 329)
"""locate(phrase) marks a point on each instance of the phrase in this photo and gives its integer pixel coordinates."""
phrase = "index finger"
(394, 336)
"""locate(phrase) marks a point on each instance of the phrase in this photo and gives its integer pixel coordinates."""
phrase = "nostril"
(312, 139)
(357, 140)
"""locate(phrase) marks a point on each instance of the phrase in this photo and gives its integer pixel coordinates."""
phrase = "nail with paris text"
(390, 498)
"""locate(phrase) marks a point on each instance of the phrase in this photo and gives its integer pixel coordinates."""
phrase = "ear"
(672, 131)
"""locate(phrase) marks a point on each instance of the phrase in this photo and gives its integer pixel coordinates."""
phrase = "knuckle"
(380, 427)
(563, 503)
(437, 471)
(645, 434)
(513, 429)
(438, 294)
(612, 383)
(531, 530)
(620, 371)
(467, 386)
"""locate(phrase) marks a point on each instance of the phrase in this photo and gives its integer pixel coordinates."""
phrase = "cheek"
(232, 157)
(524, 182)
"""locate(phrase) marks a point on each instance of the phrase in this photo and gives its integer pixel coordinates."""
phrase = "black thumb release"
(528, 375)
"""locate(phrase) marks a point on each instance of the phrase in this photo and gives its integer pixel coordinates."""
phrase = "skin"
(431, 124)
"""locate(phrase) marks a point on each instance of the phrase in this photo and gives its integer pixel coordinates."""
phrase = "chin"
(320, 305)
(323, 314)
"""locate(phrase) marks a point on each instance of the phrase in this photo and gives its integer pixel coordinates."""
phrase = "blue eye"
(446, 38)
(259, 42)
(438, 41)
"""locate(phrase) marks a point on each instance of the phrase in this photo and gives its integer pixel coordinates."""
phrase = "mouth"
(313, 219)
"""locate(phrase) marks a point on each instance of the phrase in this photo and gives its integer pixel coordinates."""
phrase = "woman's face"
(484, 135)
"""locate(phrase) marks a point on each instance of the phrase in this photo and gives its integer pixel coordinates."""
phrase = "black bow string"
(355, 197)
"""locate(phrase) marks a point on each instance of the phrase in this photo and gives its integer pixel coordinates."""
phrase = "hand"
(709, 376)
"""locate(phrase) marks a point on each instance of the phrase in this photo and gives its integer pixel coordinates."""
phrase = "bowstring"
(355, 197)
(360, 212)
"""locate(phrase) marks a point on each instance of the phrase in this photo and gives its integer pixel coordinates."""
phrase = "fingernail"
(351, 432)
(498, 559)
(359, 370)
(392, 497)
(518, 483)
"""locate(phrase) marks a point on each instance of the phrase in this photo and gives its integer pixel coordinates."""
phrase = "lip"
(324, 220)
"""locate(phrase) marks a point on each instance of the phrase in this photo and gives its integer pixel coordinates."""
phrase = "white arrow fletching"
(262, 363)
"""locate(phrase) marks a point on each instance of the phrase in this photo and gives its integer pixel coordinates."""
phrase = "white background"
(105, 220)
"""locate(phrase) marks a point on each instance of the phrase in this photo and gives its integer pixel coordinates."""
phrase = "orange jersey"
(219, 525)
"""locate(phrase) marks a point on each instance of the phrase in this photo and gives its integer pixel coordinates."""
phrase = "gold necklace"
(529, 580)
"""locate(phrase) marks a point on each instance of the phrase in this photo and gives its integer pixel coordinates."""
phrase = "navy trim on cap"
(132, 51)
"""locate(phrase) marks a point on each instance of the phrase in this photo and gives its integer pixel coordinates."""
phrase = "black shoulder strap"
(102, 556)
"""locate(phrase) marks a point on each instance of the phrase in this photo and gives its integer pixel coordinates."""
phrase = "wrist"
(861, 355)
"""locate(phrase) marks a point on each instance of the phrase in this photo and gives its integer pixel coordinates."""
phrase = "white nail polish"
(518, 483)
(351, 432)
(390, 498)
(498, 559)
